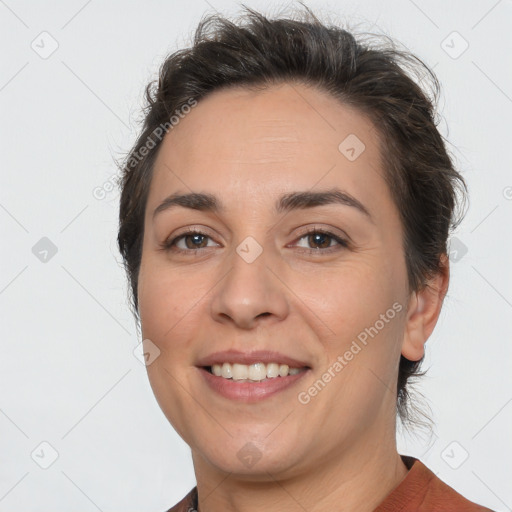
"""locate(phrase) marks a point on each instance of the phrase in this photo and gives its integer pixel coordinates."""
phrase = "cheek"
(363, 312)
(166, 307)
(359, 309)
(348, 298)
(168, 303)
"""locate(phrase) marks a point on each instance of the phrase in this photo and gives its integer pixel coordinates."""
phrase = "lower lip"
(250, 391)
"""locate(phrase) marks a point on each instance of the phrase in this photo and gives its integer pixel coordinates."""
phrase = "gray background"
(68, 374)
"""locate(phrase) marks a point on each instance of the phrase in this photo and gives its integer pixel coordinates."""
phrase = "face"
(319, 279)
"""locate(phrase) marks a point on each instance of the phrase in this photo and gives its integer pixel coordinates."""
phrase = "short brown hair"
(373, 76)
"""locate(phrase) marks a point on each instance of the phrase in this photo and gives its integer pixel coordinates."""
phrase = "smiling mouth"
(257, 372)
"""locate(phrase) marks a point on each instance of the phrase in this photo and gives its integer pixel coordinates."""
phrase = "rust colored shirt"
(419, 491)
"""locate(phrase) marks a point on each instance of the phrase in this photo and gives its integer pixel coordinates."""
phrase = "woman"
(284, 219)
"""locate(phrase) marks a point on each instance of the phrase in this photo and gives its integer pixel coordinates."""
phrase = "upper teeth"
(256, 371)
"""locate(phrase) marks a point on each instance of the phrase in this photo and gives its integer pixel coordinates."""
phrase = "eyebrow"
(288, 202)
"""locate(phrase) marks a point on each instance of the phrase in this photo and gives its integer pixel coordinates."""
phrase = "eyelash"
(169, 245)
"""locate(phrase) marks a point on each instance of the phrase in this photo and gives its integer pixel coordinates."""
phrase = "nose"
(249, 293)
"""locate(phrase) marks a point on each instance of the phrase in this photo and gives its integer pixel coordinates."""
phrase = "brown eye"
(321, 239)
(320, 242)
(196, 240)
(190, 241)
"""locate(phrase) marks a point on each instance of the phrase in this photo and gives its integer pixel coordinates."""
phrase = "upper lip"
(256, 356)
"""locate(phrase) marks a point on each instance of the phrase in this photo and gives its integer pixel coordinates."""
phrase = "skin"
(248, 148)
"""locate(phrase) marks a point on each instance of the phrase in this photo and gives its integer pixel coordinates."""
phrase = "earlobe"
(423, 312)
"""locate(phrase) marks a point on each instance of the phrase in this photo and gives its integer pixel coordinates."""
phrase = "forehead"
(260, 144)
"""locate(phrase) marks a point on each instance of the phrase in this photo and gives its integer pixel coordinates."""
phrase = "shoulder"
(422, 491)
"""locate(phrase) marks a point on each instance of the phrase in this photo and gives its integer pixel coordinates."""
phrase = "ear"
(423, 312)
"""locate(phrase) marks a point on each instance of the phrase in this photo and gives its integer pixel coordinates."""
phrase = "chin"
(252, 460)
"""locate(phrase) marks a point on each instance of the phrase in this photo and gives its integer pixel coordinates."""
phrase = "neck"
(358, 479)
